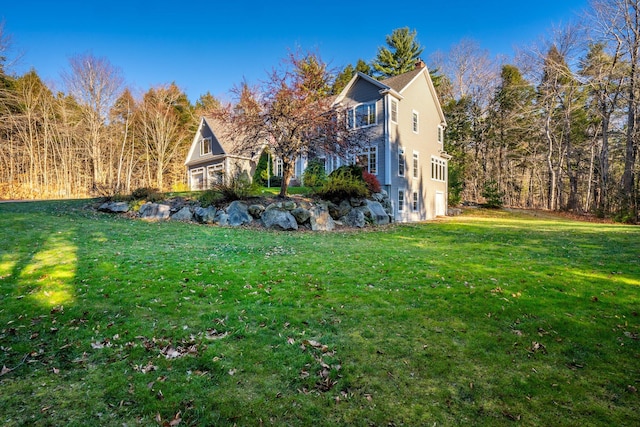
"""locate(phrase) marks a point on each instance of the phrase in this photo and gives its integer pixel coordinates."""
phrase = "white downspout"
(387, 144)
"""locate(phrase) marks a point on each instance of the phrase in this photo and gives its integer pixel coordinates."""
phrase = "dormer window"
(205, 146)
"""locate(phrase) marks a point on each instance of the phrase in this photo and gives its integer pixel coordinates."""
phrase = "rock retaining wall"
(280, 215)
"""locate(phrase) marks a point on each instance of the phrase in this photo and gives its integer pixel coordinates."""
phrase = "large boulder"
(114, 207)
(320, 218)
(154, 211)
(338, 211)
(279, 219)
(222, 218)
(378, 215)
(183, 214)
(301, 215)
(205, 215)
(238, 214)
(289, 205)
(256, 211)
(384, 200)
(355, 218)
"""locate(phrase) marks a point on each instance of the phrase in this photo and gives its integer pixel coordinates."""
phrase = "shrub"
(261, 175)
(147, 193)
(209, 197)
(342, 184)
(493, 195)
(372, 182)
(351, 170)
(237, 187)
(314, 175)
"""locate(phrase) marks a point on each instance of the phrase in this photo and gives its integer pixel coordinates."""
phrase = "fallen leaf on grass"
(4, 370)
(537, 347)
(176, 420)
(212, 334)
(316, 344)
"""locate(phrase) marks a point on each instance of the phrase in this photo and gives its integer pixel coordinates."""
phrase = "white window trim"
(367, 152)
(415, 202)
(415, 121)
(196, 172)
(352, 115)
(415, 165)
(202, 152)
(404, 161)
(401, 201)
(278, 167)
(440, 134)
(438, 169)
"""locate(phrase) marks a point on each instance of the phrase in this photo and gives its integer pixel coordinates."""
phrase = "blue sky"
(208, 46)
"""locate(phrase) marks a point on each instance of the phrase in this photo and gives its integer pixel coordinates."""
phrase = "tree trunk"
(287, 174)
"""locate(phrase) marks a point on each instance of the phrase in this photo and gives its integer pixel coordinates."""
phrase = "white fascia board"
(195, 140)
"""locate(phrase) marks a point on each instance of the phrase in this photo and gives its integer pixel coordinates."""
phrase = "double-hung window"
(205, 146)
(401, 162)
(415, 205)
(414, 123)
(368, 159)
(440, 134)
(400, 200)
(416, 165)
(277, 167)
(362, 115)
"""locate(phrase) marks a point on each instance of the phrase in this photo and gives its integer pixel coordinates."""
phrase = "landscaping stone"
(114, 207)
(279, 219)
(222, 218)
(205, 215)
(238, 214)
(289, 205)
(256, 211)
(301, 215)
(320, 218)
(355, 202)
(154, 211)
(355, 218)
(338, 211)
(454, 211)
(183, 214)
(378, 215)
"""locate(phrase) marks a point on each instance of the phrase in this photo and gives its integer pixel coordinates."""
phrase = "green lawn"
(491, 318)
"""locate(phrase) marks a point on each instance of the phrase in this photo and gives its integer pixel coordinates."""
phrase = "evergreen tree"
(344, 76)
(401, 54)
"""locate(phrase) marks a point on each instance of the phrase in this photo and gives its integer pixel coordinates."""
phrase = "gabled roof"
(228, 142)
(217, 128)
(396, 85)
(401, 81)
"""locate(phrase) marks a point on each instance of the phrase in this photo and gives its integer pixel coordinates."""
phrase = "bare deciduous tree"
(95, 84)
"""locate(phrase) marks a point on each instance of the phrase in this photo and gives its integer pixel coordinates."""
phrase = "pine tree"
(400, 56)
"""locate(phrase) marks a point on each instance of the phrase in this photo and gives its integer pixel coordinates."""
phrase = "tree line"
(555, 127)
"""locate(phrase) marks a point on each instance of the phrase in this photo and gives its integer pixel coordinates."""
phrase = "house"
(406, 151)
(404, 124)
(215, 156)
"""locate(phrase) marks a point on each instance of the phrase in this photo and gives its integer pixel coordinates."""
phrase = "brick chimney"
(419, 64)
